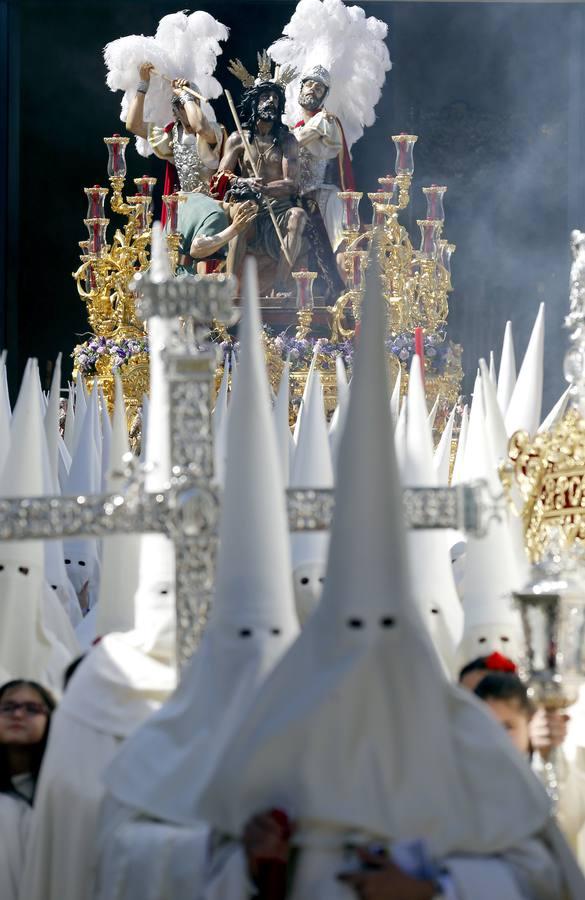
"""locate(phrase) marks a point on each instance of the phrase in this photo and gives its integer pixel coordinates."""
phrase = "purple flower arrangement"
(86, 355)
(438, 351)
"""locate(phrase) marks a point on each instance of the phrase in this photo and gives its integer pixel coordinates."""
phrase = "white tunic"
(320, 141)
(110, 694)
(144, 859)
(14, 823)
(526, 872)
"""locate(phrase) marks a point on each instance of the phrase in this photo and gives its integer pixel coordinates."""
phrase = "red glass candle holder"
(91, 280)
(350, 218)
(445, 253)
(355, 266)
(429, 236)
(96, 197)
(141, 204)
(96, 229)
(145, 185)
(171, 202)
(304, 282)
(389, 185)
(434, 195)
(116, 155)
(404, 144)
(379, 200)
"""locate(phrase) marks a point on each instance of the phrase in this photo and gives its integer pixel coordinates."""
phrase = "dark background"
(494, 91)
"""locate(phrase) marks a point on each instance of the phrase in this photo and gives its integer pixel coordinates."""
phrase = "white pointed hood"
(312, 457)
(282, 424)
(304, 398)
(52, 425)
(497, 437)
(425, 759)
(395, 397)
(442, 455)
(507, 372)
(68, 435)
(106, 433)
(144, 427)
(27, 649)
(119, 571)
(556, 413)
(5, 412)
(433, 587)
(433, 413)
(525, 407)
(400, 440)
(161, 768)
(492, 370)
(81, 403)
(155, 601)
(85, 477)
(337, 422)
(490, 621)
(457, 477)
(219, 425)
(477, 457)
(312, 468)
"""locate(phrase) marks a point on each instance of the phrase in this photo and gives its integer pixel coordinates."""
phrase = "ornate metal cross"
(188, 510)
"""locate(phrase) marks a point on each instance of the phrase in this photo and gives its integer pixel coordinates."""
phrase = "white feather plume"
(185, 46)
(350, 45)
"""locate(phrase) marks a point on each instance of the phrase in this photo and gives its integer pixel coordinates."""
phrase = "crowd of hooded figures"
(352, 723)
(317, 745)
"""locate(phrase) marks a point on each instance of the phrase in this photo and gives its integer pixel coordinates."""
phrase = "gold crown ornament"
(282, 75)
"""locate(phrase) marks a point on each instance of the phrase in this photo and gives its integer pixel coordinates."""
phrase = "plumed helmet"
(317, 73)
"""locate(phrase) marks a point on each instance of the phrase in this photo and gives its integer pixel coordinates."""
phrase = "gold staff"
(189, 90)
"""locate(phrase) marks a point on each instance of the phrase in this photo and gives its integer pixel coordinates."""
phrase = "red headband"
(498, 663)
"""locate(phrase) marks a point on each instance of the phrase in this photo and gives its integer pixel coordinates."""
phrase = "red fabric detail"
(283, 822)
(171, 182)
(211, 265)
(496, 662)
(219, 185)
(171, 186)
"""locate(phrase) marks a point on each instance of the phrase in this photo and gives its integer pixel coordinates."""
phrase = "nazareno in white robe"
(14, 824)
(115, 688)
(141, 858)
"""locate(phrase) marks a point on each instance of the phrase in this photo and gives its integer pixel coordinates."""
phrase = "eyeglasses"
(30, 709)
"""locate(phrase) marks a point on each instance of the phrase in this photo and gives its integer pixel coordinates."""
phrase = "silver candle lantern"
(552, 609)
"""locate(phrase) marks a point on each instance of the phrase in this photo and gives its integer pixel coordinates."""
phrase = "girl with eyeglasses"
(25, 714)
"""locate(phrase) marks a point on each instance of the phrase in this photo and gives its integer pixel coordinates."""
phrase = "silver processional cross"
(188, 510)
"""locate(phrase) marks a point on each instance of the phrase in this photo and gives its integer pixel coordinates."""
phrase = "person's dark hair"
(505, 686)
(37, 750)
(249, 108)
(476, 665)
(495, 662)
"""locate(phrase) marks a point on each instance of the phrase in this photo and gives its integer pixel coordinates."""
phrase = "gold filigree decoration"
(283, 75)
(548, 472)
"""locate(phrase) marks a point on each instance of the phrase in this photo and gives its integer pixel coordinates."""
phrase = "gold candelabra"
(104, 276)
(416, 282)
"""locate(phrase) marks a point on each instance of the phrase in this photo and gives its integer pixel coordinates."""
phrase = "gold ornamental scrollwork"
(547, 473)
